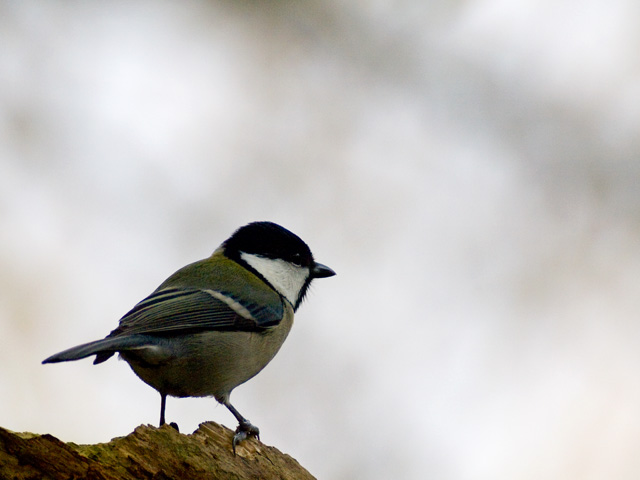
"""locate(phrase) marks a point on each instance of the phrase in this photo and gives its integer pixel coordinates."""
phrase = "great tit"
(215, 323)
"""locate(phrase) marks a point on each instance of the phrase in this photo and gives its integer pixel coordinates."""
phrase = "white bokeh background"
(470, 169)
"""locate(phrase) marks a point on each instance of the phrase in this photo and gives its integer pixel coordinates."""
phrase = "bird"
(215, 323)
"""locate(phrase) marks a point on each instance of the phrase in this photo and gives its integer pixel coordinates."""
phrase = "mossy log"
(147, 453)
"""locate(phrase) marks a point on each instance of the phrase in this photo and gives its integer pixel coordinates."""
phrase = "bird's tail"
(102, 349)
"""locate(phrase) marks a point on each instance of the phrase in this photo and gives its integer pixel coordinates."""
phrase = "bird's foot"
(245, 429)
(175, 425)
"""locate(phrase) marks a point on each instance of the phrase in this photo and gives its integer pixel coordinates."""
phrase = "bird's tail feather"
(102, 349)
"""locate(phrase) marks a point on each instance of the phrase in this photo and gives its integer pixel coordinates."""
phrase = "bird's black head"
(271, 241)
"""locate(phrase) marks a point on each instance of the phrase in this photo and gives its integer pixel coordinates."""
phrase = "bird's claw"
(244, 431)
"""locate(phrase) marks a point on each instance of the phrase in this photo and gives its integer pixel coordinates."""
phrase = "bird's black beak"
(321, 271)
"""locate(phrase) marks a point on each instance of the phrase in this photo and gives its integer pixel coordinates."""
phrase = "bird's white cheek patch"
(286, 278)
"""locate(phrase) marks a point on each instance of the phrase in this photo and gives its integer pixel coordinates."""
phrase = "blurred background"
(471, 169)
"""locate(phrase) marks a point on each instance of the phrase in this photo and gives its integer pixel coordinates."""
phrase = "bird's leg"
(163, 404)
(245, 428)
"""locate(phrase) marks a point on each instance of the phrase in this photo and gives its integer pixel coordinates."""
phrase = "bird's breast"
(210, 363)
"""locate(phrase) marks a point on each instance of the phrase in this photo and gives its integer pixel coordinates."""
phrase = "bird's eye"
(296, 259)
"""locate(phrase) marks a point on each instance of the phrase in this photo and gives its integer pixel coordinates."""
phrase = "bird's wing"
(174, 311)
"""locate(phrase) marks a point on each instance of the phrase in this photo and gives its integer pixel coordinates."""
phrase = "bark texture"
(147, 453)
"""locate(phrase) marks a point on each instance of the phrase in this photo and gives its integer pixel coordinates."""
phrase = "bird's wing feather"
(174, 311)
